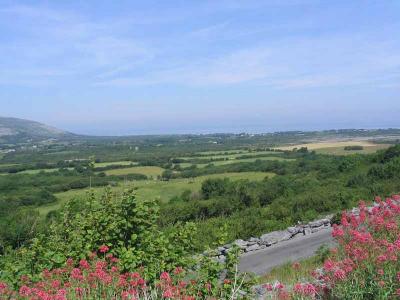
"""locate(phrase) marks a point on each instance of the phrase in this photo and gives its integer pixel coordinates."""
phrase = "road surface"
(262, 261)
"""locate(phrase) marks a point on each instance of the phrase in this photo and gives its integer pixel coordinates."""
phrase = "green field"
(36, 171)
(154, 189)
(232, 161)
(8, 165)
(146, 170)
(341, 151)
(222, 152)
(228, 156)
(113, 163)
(337, 147)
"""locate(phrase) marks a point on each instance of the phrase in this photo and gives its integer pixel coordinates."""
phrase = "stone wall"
(271, 238)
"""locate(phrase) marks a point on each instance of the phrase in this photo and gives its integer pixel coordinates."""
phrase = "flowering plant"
(364, 265)
(100, 278)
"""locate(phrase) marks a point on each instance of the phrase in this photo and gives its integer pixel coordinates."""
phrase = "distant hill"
(15, 131)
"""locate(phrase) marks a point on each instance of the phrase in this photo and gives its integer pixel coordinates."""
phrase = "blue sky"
(138, 67)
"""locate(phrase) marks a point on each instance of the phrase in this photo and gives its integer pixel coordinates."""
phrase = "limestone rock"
(275, 237)
(241, 244)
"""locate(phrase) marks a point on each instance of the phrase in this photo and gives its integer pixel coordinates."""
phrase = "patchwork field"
(145, 170)
(113, 163)
(231, 156)
(8, 165)
(337, 147)
(232, 161)
(36, 171)
(154, 189)
(222, 152)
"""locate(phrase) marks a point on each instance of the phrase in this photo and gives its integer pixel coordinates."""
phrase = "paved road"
(262, 261)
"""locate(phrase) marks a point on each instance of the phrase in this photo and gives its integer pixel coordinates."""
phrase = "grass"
(8, 165)
(221, 152)
(113, 163)
(341, 151)
(232, 161)
(153, 189)
(229, 156)
(146, 170)
(288, 274)
(337, 147)
(36, 171)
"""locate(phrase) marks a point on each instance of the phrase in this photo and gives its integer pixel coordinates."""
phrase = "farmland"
(338, 147)
(154, 189)
(246, 184)
(150, 171)
(113, 163)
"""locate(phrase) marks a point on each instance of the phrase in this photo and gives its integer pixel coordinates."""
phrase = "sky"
(168, 66)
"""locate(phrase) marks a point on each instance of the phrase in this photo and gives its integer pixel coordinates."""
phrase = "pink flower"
(168, 293)
(3, 286)
(329, 265)
(165, 276)
(55, 284)
(178, 270)
(76, 274)
(70, 262)
(79, 291)
(298, 288)
(339, 274)
(296, 266)
(103, 249)
(114, 269)
(382, 258)
(337, 231)
(84, 264)
(24, 291)
(279, 286)
(268, 287)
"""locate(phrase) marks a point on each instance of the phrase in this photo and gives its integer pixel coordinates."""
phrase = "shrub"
(126, 223)
(366, 263)
(101, 278)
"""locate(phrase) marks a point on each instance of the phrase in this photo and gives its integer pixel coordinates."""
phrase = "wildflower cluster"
(100, 278)
(366, 262)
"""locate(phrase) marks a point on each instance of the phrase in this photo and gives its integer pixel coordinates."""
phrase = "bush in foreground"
(100, 278)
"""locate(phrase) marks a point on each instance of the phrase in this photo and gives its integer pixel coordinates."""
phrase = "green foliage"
(353, 148)
(126, 224)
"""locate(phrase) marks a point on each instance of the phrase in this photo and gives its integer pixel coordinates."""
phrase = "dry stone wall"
(271, 238)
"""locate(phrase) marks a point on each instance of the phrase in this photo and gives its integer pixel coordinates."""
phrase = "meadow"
(149, 171)
(223, 199)
(114, 163)
(233, 161)
(338, 147)
(152, 189)
(234, 154)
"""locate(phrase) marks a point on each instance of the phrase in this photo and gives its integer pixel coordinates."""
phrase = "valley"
(197, 191)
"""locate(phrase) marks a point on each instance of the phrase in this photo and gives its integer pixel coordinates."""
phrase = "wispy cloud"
(288, 63)
(115, 52)
(63, 42)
